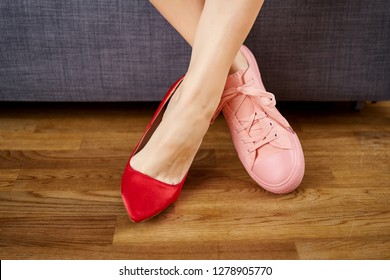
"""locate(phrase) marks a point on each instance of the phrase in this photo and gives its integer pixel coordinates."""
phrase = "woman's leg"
(184, 16)
(222, 28)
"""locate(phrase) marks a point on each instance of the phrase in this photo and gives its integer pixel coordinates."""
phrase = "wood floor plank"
(374, 248)
(63, 159)
(159, 250)
(110, 141)
(8, 178)
(39, 141)
(69, 179)
(117, 118)
(54, 230)
(200, 226)
(17, 124)
(255, 250)
(148, 251)
(372, 224)
(254, 226)
(372, 118)
(61, 203)
(79, 117)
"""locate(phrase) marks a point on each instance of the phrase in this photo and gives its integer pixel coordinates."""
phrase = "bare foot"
(170, 151)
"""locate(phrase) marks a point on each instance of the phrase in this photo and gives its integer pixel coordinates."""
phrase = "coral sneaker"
(266, 144)
(144, 196)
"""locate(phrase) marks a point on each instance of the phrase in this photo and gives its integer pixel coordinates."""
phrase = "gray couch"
(88, 50)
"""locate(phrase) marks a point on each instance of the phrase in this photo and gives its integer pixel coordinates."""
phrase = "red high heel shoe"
(144, 196)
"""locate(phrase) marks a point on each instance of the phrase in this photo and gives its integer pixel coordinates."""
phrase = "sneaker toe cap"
(275, 172)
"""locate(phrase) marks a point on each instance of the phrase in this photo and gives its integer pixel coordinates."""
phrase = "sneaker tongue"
(246, 108)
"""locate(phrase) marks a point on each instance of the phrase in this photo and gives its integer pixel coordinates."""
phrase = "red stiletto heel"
(144, 196)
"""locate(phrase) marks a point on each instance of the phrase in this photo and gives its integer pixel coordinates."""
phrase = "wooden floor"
(61, 166)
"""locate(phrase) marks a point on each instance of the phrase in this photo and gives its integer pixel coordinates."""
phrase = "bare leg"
(222, 28)
(184, 16)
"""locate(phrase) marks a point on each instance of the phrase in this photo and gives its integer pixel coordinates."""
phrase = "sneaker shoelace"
(264, 103)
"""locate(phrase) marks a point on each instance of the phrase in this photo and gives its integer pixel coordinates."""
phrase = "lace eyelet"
(271, 124)
(276, 135)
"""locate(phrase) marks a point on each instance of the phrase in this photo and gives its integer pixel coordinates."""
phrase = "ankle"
(196, 112)
(199, 98)
(239, 63)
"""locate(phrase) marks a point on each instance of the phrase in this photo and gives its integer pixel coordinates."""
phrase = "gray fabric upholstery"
(104, 50)
(324, 49)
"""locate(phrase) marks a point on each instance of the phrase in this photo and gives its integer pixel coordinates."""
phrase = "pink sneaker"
(266, 144)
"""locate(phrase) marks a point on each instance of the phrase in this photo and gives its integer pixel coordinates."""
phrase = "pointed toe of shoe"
(280, 173)
(145, 197)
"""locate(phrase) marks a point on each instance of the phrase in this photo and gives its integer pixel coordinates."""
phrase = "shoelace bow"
(267, 104)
